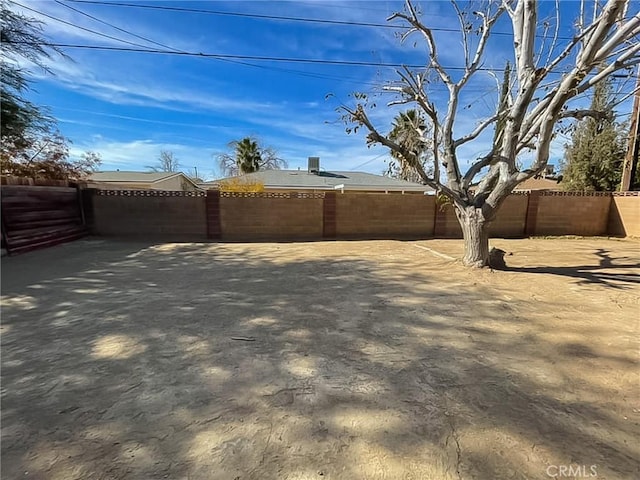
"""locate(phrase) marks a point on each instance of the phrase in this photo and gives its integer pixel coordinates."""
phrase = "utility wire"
(352, 63)
(128, 32)
(94, 32)
(224, 57)
(246, 15)
(277, 17)
(228, 57)
(368, 161)
(238, 59)
(174, 50)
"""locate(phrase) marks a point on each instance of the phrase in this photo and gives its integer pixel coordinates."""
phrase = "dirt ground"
(328, 360)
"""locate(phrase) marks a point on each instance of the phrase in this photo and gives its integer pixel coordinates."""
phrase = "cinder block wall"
(362, 215)
(624, 214)
(257, 216)
(294, 216)
(511, 218)
(565, 213)
(446, 223)
(509, 222)
(148, 214)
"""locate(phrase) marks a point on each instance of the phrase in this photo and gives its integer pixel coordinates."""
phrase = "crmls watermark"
(573, 471)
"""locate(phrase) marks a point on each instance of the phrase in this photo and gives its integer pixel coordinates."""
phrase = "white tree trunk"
(476, 237)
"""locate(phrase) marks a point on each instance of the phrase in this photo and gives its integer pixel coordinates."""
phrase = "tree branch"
(582, 114)
(428, 36)
(360, 116)
(475, 168)
(477, 131)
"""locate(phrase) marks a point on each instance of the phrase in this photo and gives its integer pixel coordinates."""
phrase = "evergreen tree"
(21, 40)
(593, 160)
(30, 143)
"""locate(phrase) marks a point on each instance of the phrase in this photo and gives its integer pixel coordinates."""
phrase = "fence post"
(329, 215)
(212, 205)
(86, 207)
(532, 213)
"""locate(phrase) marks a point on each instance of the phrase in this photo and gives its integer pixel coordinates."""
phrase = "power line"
(245, 15)
(128, 32)
(223, 56)
(277, 17)
(368, 161)
(238, 59)
(174, 50)
(351, 63)
(219, 56)
(94, 32)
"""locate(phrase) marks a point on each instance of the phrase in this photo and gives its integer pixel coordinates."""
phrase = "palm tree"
(408, 130)
(247, 156)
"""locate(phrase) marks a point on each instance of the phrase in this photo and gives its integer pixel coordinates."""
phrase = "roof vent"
(314, 165)
(549, 170)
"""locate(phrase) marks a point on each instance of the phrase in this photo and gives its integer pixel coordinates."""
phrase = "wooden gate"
(39, 216)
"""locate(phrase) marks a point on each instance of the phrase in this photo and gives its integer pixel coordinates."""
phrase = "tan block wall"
(447, 225)
(353, 215)
(511, 218)
(563, 214)
(256, 218)
(624, 216)
(509, 222)
(379, 215)
(162, 217)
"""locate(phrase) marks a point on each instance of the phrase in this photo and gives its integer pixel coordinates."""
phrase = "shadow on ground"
(299, 361)
(606, 270)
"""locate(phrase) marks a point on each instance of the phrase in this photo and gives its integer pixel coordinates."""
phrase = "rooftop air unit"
(314, 165)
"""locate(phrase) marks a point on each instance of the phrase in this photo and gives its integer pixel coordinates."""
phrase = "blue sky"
(129, 106)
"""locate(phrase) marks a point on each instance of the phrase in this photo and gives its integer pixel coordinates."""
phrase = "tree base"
(476, 238)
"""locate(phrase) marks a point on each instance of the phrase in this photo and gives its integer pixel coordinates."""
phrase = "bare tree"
(167, 162)
(547, 76)
(193, 174)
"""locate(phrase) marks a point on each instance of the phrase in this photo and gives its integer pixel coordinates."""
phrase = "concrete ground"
(328, 360)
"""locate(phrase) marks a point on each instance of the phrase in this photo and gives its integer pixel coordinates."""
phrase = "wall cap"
(147, 193)
(271, 195)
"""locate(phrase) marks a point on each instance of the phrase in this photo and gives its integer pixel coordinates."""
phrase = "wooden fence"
(39, 216)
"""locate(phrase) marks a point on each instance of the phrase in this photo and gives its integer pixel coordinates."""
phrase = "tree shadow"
(364, 363)
(606, 270)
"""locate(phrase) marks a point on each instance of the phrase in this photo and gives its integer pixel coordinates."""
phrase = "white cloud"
(73, 26)
(92, 81)
(137, 155)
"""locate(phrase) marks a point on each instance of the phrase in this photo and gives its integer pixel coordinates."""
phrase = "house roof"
(134, 177)
(539, 184)
(323, 180)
